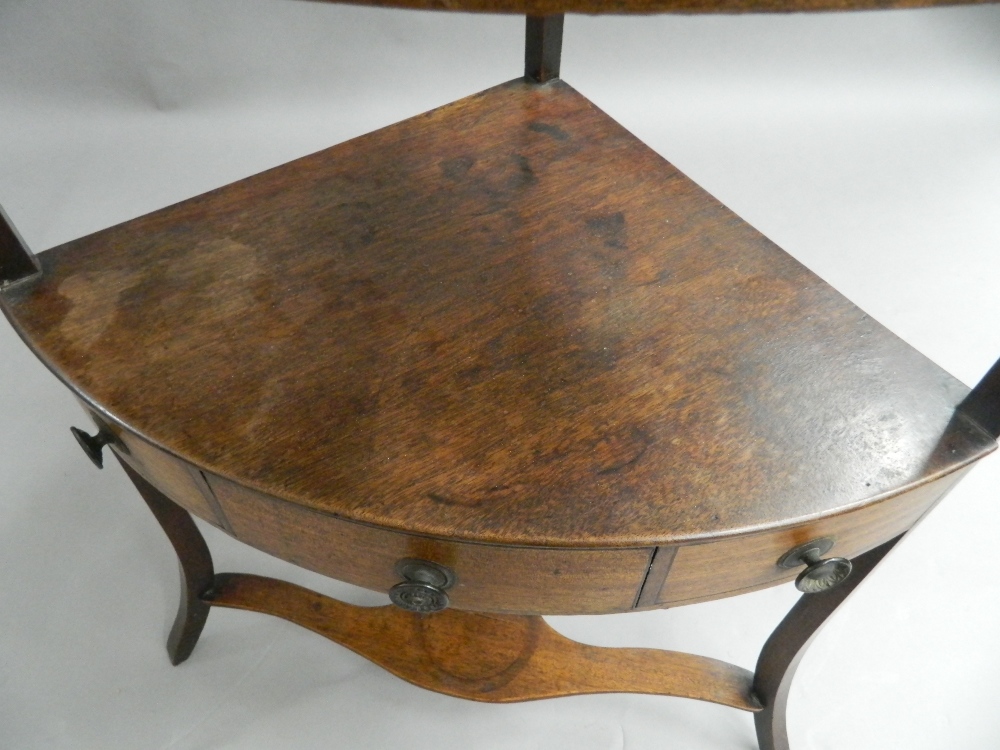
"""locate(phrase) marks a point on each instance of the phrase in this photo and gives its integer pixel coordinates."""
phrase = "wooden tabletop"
(506, 320)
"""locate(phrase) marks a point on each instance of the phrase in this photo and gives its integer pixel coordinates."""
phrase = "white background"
(867, 145)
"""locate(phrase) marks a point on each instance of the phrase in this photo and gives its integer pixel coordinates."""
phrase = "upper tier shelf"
(551, 7)
(506, 320)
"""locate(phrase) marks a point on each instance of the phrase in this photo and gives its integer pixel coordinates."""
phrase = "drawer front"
(700, 572)
(489, 578)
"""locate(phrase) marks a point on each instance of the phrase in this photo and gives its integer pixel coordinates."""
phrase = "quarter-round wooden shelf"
(503, 329)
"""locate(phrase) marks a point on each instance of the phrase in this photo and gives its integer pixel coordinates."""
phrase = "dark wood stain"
(504, 321)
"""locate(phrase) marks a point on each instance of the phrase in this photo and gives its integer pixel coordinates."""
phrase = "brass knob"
(423, 587)
(93, 445)
(418, 597)
(819, 575)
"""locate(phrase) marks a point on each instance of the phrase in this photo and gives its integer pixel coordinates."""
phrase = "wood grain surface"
(493, 658)
(505, 321)
(548, 7)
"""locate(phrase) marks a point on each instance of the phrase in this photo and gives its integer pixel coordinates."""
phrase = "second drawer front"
(700, 572)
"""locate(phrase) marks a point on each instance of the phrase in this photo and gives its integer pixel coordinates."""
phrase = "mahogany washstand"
(500, 360)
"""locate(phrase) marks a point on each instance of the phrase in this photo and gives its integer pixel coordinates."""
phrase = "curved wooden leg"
(197, 572)
(788, 643)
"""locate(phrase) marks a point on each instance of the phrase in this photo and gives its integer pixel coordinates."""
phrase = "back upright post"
(542, 47)
(982, 405)
(16, 260)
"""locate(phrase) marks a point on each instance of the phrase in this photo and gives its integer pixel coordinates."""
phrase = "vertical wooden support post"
(982, 405)
(16, 261)
(542, 47)
(787, 645)
(197, 571)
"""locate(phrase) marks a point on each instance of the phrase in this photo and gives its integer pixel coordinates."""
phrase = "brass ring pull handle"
(819, 575)
(93, 445)
(423, 586)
